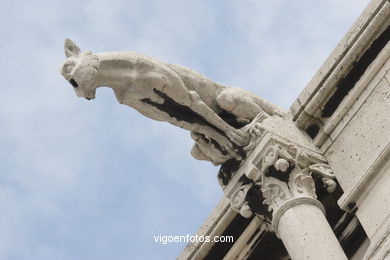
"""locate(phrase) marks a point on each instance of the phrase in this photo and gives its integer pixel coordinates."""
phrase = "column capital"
(279, 183)
(283, 175)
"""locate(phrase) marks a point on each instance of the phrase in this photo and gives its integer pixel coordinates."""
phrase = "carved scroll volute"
(273, 155)
(322, 169)
(283, 179)
(283, 183)
(326, 173)
(277, 165)
(270, 157)
(239, 203)
(304, 186)
(274, 195)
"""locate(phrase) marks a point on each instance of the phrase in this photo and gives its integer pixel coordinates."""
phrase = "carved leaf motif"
(285, 154)
(273, 192)
(238, 198)
(281, 165)
(270, 156)
(246, 211)
(322, 169)
(305, 184)
(330, 184)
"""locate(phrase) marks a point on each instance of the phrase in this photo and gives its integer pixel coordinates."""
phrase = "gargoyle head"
(80, 69)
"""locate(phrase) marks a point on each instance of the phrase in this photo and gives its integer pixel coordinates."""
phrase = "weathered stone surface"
(308, 108)
(363, 139)
(216, 114)
(376, 199)
(276, 184)
(308, 237)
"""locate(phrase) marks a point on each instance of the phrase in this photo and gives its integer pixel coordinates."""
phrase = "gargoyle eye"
(74, 83)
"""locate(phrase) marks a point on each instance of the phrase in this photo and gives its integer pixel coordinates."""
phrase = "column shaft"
(306, 234)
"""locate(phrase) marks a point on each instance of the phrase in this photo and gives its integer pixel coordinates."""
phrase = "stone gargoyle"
(216, 115)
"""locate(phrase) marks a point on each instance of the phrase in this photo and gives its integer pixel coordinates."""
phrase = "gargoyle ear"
(71, 49)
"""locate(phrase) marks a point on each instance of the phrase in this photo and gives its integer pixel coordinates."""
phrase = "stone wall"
(343, 115)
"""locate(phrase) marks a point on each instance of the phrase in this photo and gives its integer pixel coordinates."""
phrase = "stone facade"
(331, 155)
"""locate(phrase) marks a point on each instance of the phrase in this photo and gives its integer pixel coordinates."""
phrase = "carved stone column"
(298, 218)
(278, 186)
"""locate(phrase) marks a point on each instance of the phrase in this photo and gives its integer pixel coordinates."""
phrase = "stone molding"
(291, 203)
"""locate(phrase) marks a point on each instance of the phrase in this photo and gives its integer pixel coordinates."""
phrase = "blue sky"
(95, 180)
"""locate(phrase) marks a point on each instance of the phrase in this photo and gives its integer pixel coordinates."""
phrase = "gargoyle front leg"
(237, 136)
(171, 113)
(240, 103)
(174, 92)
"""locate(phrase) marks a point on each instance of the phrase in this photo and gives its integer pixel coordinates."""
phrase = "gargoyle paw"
(256, 129)
(239, 137)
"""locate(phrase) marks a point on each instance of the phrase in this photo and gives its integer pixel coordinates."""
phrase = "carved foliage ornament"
(282, 181)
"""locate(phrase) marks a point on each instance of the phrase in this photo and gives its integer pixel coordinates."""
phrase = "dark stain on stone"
(231, 119)
(352, 206)
(353, 241)
(268, 247)
(282, 176)
(347, 83)
(343, 223)
(215, 143)
(74, 83)
(258, 240)
(183, 113)
(255, 200)
(240, 151)
(244, 180)
(227, 170)
(321, 190)
(312, 130)
(253, 236)
(218, 146)
(180, 112)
